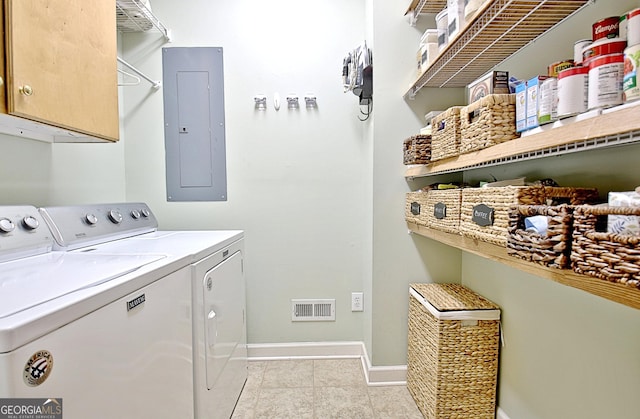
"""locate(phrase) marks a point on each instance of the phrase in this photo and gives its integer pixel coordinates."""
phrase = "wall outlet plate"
(357, 301)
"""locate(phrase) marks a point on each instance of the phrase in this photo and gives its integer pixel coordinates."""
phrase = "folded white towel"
(536, 224)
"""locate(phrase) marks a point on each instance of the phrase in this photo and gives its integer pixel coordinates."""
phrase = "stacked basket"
(487, 122)
(464, 129)
(552, 249)
(417, 149)
(434, 208)
(443, 210)
(485, 212)
(416, 208)
(446, 134)
(609, 256)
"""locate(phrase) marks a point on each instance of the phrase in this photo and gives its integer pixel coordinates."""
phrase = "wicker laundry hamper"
(452, 365)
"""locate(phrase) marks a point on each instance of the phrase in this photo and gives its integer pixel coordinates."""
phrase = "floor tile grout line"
(314, 388)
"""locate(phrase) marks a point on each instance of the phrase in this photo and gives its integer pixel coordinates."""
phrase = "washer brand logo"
(38, 368)
(30, 408)
(135, 302)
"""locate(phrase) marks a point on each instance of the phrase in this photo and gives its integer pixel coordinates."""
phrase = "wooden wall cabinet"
(60, 70)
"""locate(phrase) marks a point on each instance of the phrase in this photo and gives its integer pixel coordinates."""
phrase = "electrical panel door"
(194, 131)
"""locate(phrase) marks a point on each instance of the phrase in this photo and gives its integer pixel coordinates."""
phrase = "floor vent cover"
(313, 310)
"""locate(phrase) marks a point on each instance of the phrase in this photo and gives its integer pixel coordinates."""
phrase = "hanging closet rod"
(155, 84)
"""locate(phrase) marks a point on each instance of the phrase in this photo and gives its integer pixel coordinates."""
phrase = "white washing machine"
(216, 282)
(93, 335)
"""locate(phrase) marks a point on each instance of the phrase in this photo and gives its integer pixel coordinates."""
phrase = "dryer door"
(224, 303)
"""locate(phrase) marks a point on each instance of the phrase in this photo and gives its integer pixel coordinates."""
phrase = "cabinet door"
(61, 64)
(3, 70)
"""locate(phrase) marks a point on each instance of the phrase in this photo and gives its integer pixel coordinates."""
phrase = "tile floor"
(328, 388)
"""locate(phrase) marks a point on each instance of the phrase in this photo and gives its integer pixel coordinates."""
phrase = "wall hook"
(260, 102)
(311, 101)
(292, 102)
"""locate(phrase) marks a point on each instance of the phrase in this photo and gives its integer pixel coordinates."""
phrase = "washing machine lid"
(29, 282)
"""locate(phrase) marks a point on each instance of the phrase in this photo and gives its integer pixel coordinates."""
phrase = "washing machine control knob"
(6, 225)
(145, 212)
(115, 217)
(30, 222)
(135, 214)
(91, 218)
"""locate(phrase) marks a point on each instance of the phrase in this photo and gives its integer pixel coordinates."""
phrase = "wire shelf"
(502, 28)
(136, 16)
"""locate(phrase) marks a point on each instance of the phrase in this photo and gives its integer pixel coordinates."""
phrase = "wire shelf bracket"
(156, 84)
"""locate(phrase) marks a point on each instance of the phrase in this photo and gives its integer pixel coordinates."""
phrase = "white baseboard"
(375, 376)
(501, 414)
(304, 350)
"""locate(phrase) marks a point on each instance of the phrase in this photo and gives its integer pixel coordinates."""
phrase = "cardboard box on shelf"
(521, 106)
(533, 97)
(494, 82)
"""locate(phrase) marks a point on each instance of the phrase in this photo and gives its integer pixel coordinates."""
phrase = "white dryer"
(215, 260)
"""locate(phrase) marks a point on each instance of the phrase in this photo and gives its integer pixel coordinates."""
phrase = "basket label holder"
(415, 208)
(482, 215)
(440, 211)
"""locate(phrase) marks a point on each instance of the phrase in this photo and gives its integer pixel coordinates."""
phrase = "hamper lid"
(454, 301)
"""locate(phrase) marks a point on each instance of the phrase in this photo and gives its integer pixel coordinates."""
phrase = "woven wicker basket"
(552, 249)
(446, 134)
(449, 220)
(452, 364)
(488, 121)
(502, 199)
(415, 210)
(417, 149)
(609, 256)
